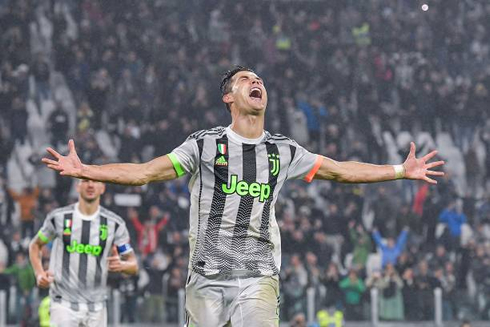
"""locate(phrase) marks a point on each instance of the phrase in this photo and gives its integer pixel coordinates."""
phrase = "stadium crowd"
(352, 80)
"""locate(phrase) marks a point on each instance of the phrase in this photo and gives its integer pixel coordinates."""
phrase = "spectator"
(58, 124)
(447, 280)
(154, 303)
(454, 219)
(425, 285)
(335, 229)
(5, 149)
(480, 266)
(295, 280)
(18, 120)
(384, 212)
(440, 258)
(148, 233)
(390, 293)
(313, 269)
(97, 95)
(176, 282)
(16, 244)
(353, 288)
(85, 117)
(331, 281)
(5, 286)
(298, 320)
(4, 255)
(25, 282)
(128, 286)
(410, 295)
(391, 251)
(362, 245)
(28, 202)
(41, 73)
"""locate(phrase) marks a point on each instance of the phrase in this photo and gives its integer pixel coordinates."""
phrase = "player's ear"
(228, 98)
(103, 189)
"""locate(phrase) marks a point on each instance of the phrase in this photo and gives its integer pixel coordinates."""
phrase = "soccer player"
(236, 175)
(88, 241)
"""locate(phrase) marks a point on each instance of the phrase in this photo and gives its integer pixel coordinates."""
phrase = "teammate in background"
(88, 241)
(236, 175)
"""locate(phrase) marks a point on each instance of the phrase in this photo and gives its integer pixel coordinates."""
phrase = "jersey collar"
(240, 139)
(85, 217)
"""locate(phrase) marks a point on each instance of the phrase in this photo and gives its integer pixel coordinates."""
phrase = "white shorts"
(62, 315)
(232, 301)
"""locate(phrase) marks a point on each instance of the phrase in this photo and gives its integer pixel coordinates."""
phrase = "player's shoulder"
(215, 132)
(110, 215)
(62, 211)
(279, 139)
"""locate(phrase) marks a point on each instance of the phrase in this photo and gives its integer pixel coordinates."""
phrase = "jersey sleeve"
(48, 229)
(185, 157)
(122, 241)
(304, 164)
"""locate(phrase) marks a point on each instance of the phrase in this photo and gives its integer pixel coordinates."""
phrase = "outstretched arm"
(158, 169)
(402, 239)
(358, 172)
(377, 239)
(162, 223)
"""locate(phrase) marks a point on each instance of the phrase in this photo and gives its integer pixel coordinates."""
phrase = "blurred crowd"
(352, 80)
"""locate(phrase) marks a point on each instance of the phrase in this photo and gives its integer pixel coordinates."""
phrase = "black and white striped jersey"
(81, 245)
(234, 185)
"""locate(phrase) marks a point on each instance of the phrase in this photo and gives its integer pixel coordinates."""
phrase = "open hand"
(45, 279)
(69, 165)
(418, 168)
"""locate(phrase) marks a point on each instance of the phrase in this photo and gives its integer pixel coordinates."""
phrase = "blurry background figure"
(353, 288)
(25, 281)
(27, 201)
(155, 267)
(298, 320)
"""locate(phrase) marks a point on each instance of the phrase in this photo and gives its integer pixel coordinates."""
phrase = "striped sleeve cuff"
(175, 162)
(42, 237)
(309, 177)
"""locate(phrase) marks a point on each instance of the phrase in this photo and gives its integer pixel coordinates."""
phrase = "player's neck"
(88, 208)
(248, 126)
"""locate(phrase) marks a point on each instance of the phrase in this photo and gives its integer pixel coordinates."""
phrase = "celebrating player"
(88, 241)
(236, 175)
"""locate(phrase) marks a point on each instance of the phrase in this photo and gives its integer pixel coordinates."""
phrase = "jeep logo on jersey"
(242, 188)
(84, 248)
(274, 160)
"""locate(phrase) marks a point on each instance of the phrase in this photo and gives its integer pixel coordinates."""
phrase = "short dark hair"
(225, 86)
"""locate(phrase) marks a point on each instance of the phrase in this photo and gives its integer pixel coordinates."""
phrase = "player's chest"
(79, 234)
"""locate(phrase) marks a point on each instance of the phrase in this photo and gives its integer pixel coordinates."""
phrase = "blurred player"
(236, 175)
(88, 241)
